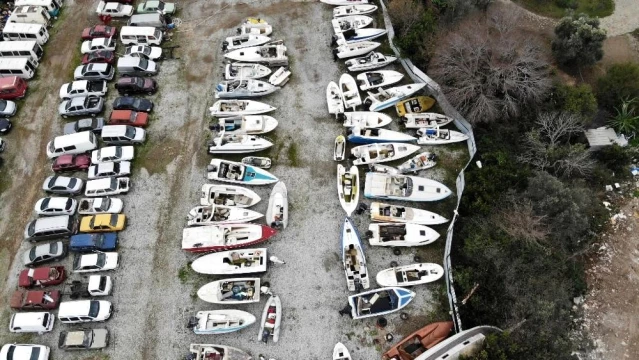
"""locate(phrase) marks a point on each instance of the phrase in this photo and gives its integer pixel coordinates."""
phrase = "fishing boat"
(233, 262)
(255, 26)
(345, 23)
(353, 258)
(410, 275)
(220, 321)
(356, 35)
(277, 211)
(421, 161)
(217, 352)
(269, 55)
(355, 49)
(348, 10)
(381, 152)
(271, 320)
(242, 41)
(349, 92)
(415, 344)
(225, 237)
(248, 124)
(237, 144)
(231, 291)
(260, 162)
(404, 187)
(370, 61)
(438, 136)
(381, 212)
(384, 98)
(396, 235)
(415, 105)
(228, 195)
(344, 2)
(377, 135)
(340, 148)
(218, 214)
(340, 352)
(243, 89)
(365, 119)
(374, 79)
(280, 77)
(379, 302)
(348, 188)
(334, 99)
(239, 71)
(239, 107)
(235, 172)
(423, 120)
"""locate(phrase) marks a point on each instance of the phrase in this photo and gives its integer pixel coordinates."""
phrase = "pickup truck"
(96, 285)
(100, 205)
(89, 105)
(83, 88)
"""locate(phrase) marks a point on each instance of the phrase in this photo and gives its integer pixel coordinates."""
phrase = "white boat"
(404, 234)
(238, 144)
(242, 41)
(404, 187)
(243, 89)
(260, 162)
(351, 22)
(270, 55)
(357, 35)
(218, 352)
(410, 275)
(239, 107)
(280, 77)
(239, 71)
(421, 161)
(367, 119)
(437, 136)
(345, 2)
(231, 291)
(218, 214)
(348, 188)
(422, 120)
(374, 79)
(340, 352)
(348, 10)
(228, 195)
(355, 49)
(379, 153)
(213, 238)
(370, 61)
(379, 302)
(235, 172)
(259, 28)
(353, 258)
(385, 98)
(277, 211)
(340, 148)
(383, 169)
(248, 124)
(348, 89)
(381, 212)
(240, 261)
(377, 135)
(334, 99)
(271, 320)
(220, 321)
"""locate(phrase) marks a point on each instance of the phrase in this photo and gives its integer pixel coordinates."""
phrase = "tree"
(620, 82)
(411, 20)
(574, 99)
(578, 40)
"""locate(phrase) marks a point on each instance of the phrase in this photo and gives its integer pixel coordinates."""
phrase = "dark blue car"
(92, 242)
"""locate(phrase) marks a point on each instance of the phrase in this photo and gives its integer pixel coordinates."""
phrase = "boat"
(348, 10)
(351, 22)
(415, 344)
(271, 320)
(255, 28)
(377, 135)
(269, 55)
(248, 124)
(233, 262)
(239, 71)
(353, 258)
(340, 148)
(396, 235)
(378, 153)
(334, 99)
(280, 77)
(212, 238)
(242, 41)
(374, 79)
(355, 49)
(260, 162)
(340, 352)
(218, 214)
(220, 321)
(349, 92)
(379, 302)
(437, 136)
(422, 120)
(368, 119)
(421, 161)
(235, 172)
(228, 195)
(345, 2)
(356, 35)
(465, 343)
(348, 188)
(410, 275)
(231, 291)
(415, 105)
(372, 60)
(277, 211)
(384, 169)
(384, 98)
(238, 144)
(217, 352)
(239, 107)
(404, 187)
(381, 212)
(243, 89)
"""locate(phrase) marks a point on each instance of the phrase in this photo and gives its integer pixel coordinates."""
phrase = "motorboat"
(231, 291)
(380, 98)
(248, 124)
(355, 49)
(410, 275)
(242, 41)
(219, 214)
(340, 352)
(382, 169)
(280, 77)
(217, 352)
(421, 161)
(348, 188)
(365, 119)
(377, 135)
(255, 26)
(277, 211)
(404, 187)
(223, 108)
(350, 9)
(225, 237)
(415, 105)
(379, 302)
(353, 258)
(381, 212)
(357, 35)
(400, 235)
(374, 79)
(246, 88)
(425, 120)
(239, 173)
(415, 344)
(349, 92)
(233, 262)
(372, 60)
(240, 71)
(220, 321)
(340, 148)
(334, 99)
(438, 136)
(228, 195)
(269, 55)
(344, 23)
(238, 144)
(381, 152)
(271, 320)
(260, 162)
(344, 2)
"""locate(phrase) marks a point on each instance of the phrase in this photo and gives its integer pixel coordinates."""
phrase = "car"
(114, 9)
(112, 153)
(24, 352)
(136, 85)
(35, 300)
(68, 162)
(88, 105)
(42, 276)
(102, 223)
(99, 261)
(121, 168)
(94, 242)
(99, 31)
(83, 88)
(90, 124)
(94, 72)
(101, 56)
(42, 253)
(154, 6)
(62, 185)
(144, 51)
(86, 339)
(50, 206)
(98, 44)
(132, 103)
(128, 117)
(7, 108)
(5, 126)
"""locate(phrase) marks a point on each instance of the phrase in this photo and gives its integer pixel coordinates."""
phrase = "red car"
(42, 276)
(71, 163)
(128, 117)
(98, 31)
(100, 56)
(35, 300)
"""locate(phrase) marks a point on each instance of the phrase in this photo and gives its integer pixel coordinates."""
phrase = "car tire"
(150, 93)
(65, 116)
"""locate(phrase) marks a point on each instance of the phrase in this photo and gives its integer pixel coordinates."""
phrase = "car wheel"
(150, 93)
(93, 114)
(65, 116)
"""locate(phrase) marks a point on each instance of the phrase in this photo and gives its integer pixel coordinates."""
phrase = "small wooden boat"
(217, 352)
(370, 61)
(349, 92)
(353, 258)
(384, 152)
(377, 135)
(355, 49)
(348, 188)
(374, 79)
(340, 352)
(365, 119)
(220, 321)
(340, 148)
(238, 144)
(242, 41)
(384, 98)
(228, 195)
(345, 23)
(271, 320)
(437, 136)
(414, 105)
(410, 275)
(246, 88)
(231, 291)
(248, 124)
(239, 107)
(277, 212)
(269, 55)
(352, 36)
(423, 120)
(260, 162)
(345, 2)
(235, 172)
(225, 237)
(280, 77)
(350, 9)
(404, 187)
(218, 214)
(379, 302)
(393, 234)
(239, 71)
(381, 212)
(415, 344)
(421, 161)
(241, 261)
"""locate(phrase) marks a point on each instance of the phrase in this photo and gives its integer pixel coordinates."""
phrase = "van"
(74, 312)
(31, 322)
(50, 227)
(52, 6)
(146, 35)
(107, 186)
(135, 66)
(30, 15)
(21, 67)
(123, 135)
(28, 48)
(77, 143)
(12, 87)
(19, 31)
(153, 20)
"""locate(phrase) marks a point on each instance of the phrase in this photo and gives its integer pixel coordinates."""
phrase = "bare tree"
(405, 15)
(519, 221)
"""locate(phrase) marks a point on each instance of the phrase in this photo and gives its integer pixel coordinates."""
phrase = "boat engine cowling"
(192, 322)
(225, 45)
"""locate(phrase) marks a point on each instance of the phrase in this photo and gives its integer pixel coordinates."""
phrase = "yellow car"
(414, 105)
(102, 223)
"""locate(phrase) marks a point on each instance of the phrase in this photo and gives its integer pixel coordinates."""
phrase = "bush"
(620, 82)
(567, 4)
(578, 40)
(574, 99)
(414, 26)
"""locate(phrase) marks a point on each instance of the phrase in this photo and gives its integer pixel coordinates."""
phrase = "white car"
(7, 108)
(143, 51)
(112, 153)
(120, 168)
(99, 261)
(63, 185)
(94, 72)
(24, 352)
(114, 9)
(98, 44)
(82, 88)
(50, 206)
(100, 205)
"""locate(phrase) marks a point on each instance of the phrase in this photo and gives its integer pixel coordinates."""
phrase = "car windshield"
(32, 253)
(133, 116)
(144, 63)
(114, 220)
(72, 182)
(118, 152)
(106, 202)
(139, 82)
(103, 281)
(35, 353)
(99, 240)
(53, 248)
(31, 227)
(70, 87)
(130, 132)
(101, 260)
(3, 105)
(45, 320)
(136, 103)
(45, 203)
(94, 309)
(68, 105)
(69, 204)
(146, 50)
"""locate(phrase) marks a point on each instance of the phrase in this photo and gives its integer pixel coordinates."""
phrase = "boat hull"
(271, 321)
(402, 214)
(366, 119)
(334, 99)
(410, 275)
(356, 49)
(252, 175)
(209, 246)
(215, 264)
(223, 108)
(228, 195)
(400, 235)
(351, 9)
(348, 182)
(353, 258)
(277, 212)
(382, 305)
(360, 137)
(382, 186)
(245, 318)
(215, 292)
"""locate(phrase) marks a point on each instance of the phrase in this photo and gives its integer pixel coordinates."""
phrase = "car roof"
(34, 297)
(64, 159)
(88, 259)
(109, 166)
(57, 202)
(108, 151)
(102, 219)
(75, 338)
(77, 100)
(41, 273)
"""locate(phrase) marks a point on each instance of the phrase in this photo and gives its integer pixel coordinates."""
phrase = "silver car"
(43, 253)
(94, 72)
(63, 185)
(89, 105)
(7, 108)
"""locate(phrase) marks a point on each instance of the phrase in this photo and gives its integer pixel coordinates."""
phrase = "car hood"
(77, 73)
(116, 205)
(140, 135)
(86, 46)
(111, 262)
(63, 90)
(11, 108)
(169, 8)
(86, 33)
(62, 108)
(105, 310)
(156, 52)
(100, 338)
(149, 84)
(25, 257)
(127, 152)
(146, 104)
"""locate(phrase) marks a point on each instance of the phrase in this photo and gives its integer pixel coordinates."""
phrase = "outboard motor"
(211, 168)
(191, 357)
(225, 45)
(341, 117)
(432, 157)
(335, 52)
(192, 322)
(369, 234)
(265, 336)
(239, 31)
(334, 40)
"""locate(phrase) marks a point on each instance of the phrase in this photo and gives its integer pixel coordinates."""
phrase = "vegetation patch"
(559, 8)
(292, 153)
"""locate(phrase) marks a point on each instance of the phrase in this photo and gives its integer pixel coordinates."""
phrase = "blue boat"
(238, 173)
(379, 302)
(377, 135)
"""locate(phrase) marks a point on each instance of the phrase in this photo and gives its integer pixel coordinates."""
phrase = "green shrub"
(567, 4)
(574, 99)
(620, 82)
